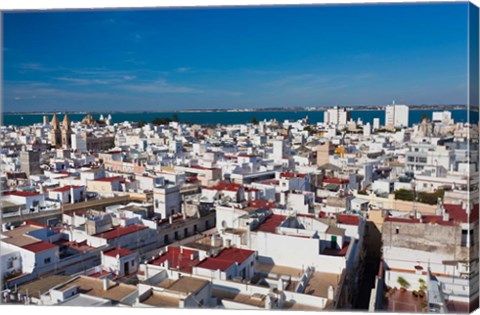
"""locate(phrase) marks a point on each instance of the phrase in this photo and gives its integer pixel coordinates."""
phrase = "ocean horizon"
(230, 117)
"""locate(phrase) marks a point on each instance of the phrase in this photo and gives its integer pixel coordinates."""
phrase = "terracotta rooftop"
(235, 254)
(65, 188)
(120, 231)
(178, 258)
(113, 252)
(21, 193)
(348, 219)
(271, 223)
(215, 264)
(292, 175)
(225, 186)
(39, 247)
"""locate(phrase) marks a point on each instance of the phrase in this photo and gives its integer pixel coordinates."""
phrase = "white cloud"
(160, 86)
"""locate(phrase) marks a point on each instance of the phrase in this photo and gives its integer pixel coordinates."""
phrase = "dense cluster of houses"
(271, 215)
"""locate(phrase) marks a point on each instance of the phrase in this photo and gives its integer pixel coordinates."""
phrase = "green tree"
(175, 117)
(161, 121)
(254, 121)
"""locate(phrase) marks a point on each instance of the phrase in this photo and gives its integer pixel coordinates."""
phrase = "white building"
(166, 201)
(396, 115)
(335, 116)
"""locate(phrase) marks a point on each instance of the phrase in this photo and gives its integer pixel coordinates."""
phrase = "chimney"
(170, 219)
(106, 283)
(330, 293)
(446, 216)
(268, 302)
(72, 194)
(213, 240)
(280, 284)
(166, 264)
(440, 209)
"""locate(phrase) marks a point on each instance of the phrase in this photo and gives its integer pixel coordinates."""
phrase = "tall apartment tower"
(336, 116)
(30, 162)
(56, 133)
(279, 150)
(396, 116)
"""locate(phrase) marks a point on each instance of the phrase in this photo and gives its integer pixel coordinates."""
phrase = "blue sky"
(171, 59)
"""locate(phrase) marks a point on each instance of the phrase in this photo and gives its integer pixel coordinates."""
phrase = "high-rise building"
(279, 150)
(336, 116)
(396, 115)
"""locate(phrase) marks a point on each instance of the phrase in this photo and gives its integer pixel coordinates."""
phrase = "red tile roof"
(261, 203)
(65, 188)
(402, 220)
(292, 175)
(21, 193)
(120, 231)
(457, 213)
(337, 181)
(274, 182)
(215, 264)
(178, 258)
(113, 252)
(39, 247)
(436, 219)
(348, 219)
(336, 251)
(225, 186)
(271, 223)
(234, 254)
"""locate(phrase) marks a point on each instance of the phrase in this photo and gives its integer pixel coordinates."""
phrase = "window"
(47, 260)
(10, 263)
(397, 230)
(132, 263)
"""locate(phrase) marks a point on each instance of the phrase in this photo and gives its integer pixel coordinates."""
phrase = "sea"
(229, 117)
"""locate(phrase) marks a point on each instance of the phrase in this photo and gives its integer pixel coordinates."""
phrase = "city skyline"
(260, 57)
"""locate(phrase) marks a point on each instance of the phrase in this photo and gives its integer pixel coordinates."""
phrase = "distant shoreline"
(270, 109)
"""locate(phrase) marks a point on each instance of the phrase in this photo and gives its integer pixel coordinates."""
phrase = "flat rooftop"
(278, 270)
(38, 287)
(160, 300)
(257, 301)
(94, 287)
(320, 282)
